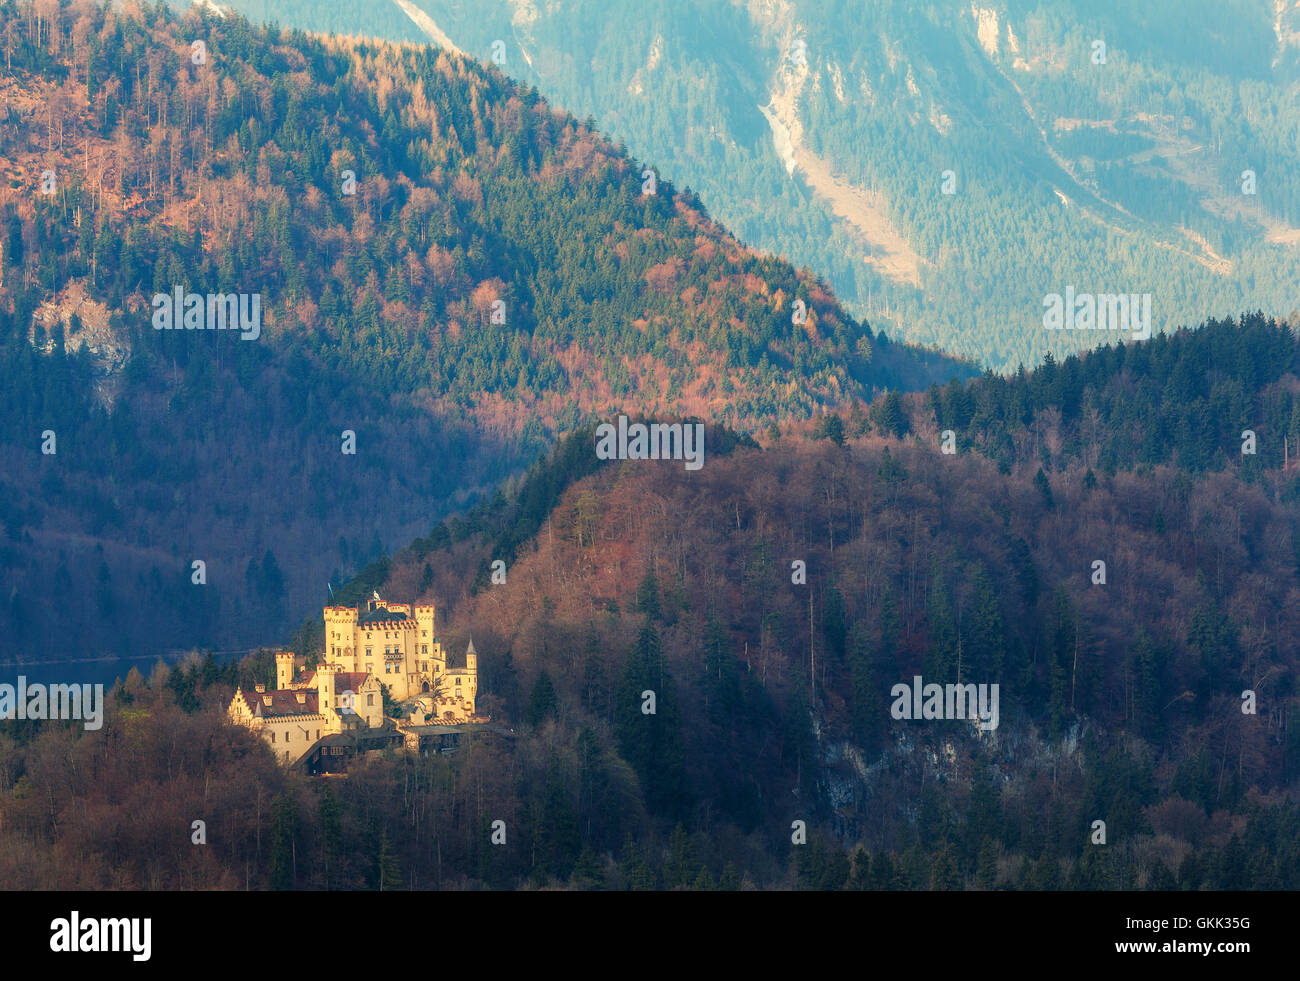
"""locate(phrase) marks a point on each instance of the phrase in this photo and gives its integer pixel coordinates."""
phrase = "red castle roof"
(282, 703)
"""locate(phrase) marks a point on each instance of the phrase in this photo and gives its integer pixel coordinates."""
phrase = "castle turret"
(426, 636)
(325, 691)
(340, 637)
(283, 670)
(471, 659)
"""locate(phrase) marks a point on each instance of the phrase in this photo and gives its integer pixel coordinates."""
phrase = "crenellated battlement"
(395, 644)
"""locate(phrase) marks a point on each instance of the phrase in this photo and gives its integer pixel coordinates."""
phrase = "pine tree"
(543, 701)
(886, 873)
(588, 871)
(682, 868)
(1161, 879)
(637, 874)
(721, 681)
(860, 878)
(557, 840)
(888, 416)
(944, 874)
(388, 874)
(1046, 874)
(833, 626)
(941, 651)
(729, 881)
(331, 834)
(1045, 489)
(986, 865)
(647, 596)
(1061, 641)
(829, 426)
(595, 686)
(284, 829)
(866, 697)
(652, 742)
(986, 634)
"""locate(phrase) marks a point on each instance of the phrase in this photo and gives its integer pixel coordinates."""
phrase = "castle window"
(368, 652)
(272, 735)
(424, 633)
(458, 681)
(425, 651)
(370, 669)
(370, 699)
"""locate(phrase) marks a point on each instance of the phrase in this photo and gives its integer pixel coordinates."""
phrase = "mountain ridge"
(450, 273)
(1176, 185)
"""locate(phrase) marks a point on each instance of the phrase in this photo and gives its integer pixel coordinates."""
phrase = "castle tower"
(341, 637)
(326, 700)
(283, 669)
(471, 683)
(426, 632)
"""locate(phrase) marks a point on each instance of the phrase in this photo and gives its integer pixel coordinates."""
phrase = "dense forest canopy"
(1121, 698)
(1188, 399)
(1166, 168)
(448, 270)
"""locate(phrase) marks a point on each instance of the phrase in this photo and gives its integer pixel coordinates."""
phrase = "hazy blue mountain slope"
(1122, 176)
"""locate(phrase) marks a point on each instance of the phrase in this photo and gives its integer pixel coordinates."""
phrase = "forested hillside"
(450, 273)
(946, 166)
(1121, 685)
(1221, 396)
(1121, 699)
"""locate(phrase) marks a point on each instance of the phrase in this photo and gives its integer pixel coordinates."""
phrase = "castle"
(344, 693)
(406, 645)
